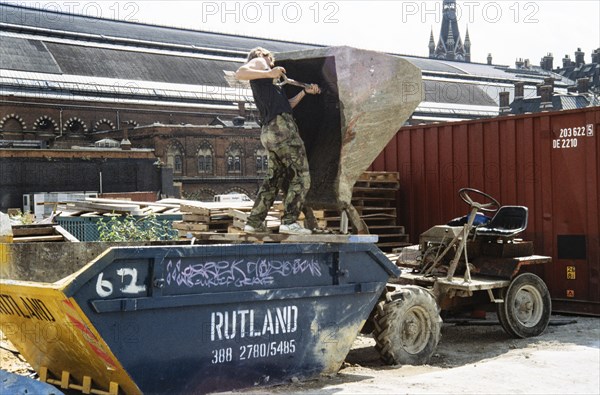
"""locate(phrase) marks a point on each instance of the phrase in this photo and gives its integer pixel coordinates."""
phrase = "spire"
(431, 44)
(467, 47)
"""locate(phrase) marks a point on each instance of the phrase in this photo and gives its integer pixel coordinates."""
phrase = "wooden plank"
(90, 214)
(175, 210)
(123, 208)
(186, 208)
(138, 203)
(65, 234)
(374, 190)
(271, 224)
(32, 239)
(190, 226)
(379, 175)
(282, 238)
(24, 231)
(195, 217)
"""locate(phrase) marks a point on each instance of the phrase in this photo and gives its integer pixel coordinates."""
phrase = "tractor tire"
(407, 326)
(369, 325)
(526, 308)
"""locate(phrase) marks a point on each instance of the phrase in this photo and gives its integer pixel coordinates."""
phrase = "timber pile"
(374, 197)
(40, 233)
(240, 217)
(94, 207)
(202, 217)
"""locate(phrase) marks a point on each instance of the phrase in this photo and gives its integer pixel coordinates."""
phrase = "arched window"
(75, 126)
(205, 159)
(234, 159)
(12, 123)
(103, 125)
(175, 157)
(45, 124)
(262, 160)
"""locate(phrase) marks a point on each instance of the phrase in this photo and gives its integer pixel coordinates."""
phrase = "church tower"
(450, 45)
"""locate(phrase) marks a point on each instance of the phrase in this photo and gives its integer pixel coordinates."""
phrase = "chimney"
(489, 58)
(538, 89)
(546, 101)
(583, 85)
(242, 108)
(579, 55)
(550, 82)
(504, 102)
(567, 62)
(519, 90)
(547, 62)
(526, 63)
(596, 56)
(519, 63)
(125, 143)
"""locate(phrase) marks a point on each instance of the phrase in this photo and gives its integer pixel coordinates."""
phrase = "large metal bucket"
(366, 97)
(196, 319)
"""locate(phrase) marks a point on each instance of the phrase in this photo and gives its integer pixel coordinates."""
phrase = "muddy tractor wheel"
(407, 326)
(526, 308)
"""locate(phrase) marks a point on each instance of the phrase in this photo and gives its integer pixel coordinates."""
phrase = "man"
(288, 165)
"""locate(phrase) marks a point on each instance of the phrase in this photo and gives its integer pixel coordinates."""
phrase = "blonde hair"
(259, 52)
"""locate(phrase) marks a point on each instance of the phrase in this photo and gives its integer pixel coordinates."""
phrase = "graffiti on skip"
(237, 273)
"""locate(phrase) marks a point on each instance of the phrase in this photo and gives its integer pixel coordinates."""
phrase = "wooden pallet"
(378, 180)
(374, 198)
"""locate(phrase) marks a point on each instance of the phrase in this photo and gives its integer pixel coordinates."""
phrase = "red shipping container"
(546, 161)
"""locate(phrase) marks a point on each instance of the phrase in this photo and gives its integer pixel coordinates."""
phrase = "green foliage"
(148, 228)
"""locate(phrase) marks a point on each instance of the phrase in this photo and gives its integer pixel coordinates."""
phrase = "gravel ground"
(476, 359)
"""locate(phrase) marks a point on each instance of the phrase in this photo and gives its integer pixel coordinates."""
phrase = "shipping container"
(546, 161)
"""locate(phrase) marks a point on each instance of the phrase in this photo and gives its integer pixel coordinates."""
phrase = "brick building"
(70, 80)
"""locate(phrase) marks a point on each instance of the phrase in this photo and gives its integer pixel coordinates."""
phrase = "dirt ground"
(471, 358)
(476, 359)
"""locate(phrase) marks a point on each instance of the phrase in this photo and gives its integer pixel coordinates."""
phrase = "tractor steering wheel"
(492, 206)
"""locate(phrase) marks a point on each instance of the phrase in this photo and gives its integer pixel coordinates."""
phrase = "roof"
(68, 56)
(110, 30)
(589, 70)
(559, 102)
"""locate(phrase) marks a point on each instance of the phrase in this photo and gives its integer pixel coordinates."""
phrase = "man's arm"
(312, 90)
(258, 68)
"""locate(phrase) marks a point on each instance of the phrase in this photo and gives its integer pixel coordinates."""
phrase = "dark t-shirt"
(270, 99)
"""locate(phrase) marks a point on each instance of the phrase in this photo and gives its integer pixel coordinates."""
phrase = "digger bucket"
(366, 97)
(195, 319)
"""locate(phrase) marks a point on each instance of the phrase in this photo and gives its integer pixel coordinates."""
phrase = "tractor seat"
(509, 221)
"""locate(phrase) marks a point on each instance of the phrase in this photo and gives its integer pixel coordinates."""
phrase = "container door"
(574, 178)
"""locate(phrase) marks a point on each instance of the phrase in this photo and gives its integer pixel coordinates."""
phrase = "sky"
(508, 29)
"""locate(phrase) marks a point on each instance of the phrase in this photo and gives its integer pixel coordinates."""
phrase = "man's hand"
(276, 72)
(313, 89)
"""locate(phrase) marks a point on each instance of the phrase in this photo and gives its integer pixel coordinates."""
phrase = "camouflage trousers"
(288, 171)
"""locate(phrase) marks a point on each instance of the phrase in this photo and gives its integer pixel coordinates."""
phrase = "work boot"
(258, 229)
(293, 229)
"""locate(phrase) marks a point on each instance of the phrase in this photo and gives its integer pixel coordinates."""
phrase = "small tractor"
(471, 263)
